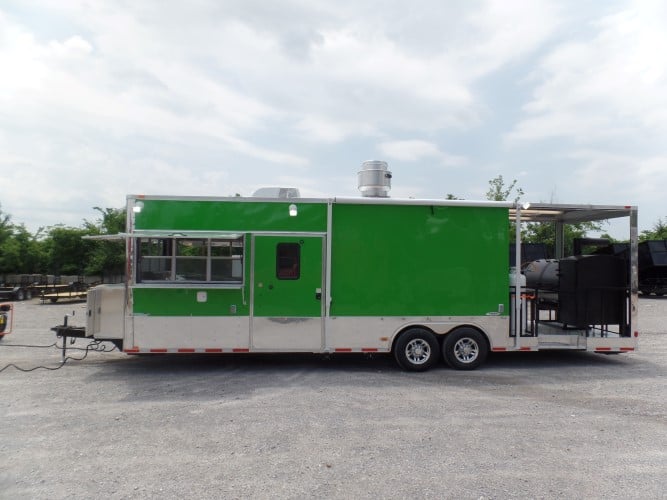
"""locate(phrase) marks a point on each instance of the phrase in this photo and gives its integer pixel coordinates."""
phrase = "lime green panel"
(230, 215)
(393, 260)
(183, 302)
(289, 298)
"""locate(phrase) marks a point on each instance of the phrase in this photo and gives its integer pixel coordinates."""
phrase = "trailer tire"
(28, 294)
(416, 350)
(465, 348)
(20, 294)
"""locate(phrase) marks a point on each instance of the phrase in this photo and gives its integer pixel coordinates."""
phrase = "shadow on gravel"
(215, 377)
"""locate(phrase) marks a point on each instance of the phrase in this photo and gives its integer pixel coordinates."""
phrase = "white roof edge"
(240, 199)
(423, 201)
(337, 199)
(395, 201)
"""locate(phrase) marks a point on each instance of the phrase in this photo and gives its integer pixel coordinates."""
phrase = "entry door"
(287, 303)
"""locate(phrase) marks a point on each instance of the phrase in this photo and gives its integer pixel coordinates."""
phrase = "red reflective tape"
(132, 351)
(603, 348)
(343, 349)
(369, 349)
(525, 348)
(241, 349)
(186, 350)
(627, 348)
(213, 350)
(158, 350)
(499, 349)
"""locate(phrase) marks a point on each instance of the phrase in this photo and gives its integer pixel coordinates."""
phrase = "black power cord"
(94, 346)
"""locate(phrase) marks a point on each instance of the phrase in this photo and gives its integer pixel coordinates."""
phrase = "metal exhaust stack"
(374, 179)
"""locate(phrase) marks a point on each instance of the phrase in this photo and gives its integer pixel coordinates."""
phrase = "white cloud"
(72, 47)
(416, 150)
(640, 179)
(211, 97)
(611, 85)
(319, 128)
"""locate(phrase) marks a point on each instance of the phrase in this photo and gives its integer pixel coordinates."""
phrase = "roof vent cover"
(374, 179)
(277, 192)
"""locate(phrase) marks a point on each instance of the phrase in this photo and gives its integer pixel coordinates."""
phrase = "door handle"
(318, 294)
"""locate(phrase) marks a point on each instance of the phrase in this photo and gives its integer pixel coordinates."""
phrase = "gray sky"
(99, 99)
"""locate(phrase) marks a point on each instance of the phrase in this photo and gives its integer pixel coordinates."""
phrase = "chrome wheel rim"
(466, 350)
(418, 351)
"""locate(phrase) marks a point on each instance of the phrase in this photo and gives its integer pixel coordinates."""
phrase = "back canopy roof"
(571, 214)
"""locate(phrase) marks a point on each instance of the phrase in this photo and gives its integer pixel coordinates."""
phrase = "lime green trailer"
(422, 279)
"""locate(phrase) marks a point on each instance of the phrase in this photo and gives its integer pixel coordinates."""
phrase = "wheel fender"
(440, 329)
(474, 327)
(407, 326)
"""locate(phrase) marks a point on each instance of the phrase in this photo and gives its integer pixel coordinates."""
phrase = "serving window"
(196, 260)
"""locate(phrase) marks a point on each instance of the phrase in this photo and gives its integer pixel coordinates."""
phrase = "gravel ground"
(525, 425)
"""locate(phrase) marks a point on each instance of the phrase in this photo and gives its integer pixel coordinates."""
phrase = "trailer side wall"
(397, 260)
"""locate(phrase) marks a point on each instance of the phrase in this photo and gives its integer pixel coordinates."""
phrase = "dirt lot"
(526, 425)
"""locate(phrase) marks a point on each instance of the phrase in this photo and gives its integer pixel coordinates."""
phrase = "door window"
(288, 261)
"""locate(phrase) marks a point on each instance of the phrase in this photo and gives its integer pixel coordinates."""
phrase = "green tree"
(545, 232)
(658, 232)
(107, 257)
(67, 252)
(23, 253)
(499, 192)
(6, 250)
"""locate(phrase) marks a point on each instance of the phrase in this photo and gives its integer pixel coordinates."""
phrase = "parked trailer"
(422, 279)
(16, 292)
(651, 261)
(653, 267)
(76, 291)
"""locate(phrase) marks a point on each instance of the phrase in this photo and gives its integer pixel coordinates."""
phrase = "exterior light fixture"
(292, 210)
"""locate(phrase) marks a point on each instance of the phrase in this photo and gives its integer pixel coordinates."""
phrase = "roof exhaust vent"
(374, 179)
(276, 192)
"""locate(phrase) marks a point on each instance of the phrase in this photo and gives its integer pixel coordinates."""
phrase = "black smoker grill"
(584, 290)
(592, 290)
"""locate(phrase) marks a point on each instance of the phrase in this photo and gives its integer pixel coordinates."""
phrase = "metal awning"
(570, 214)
